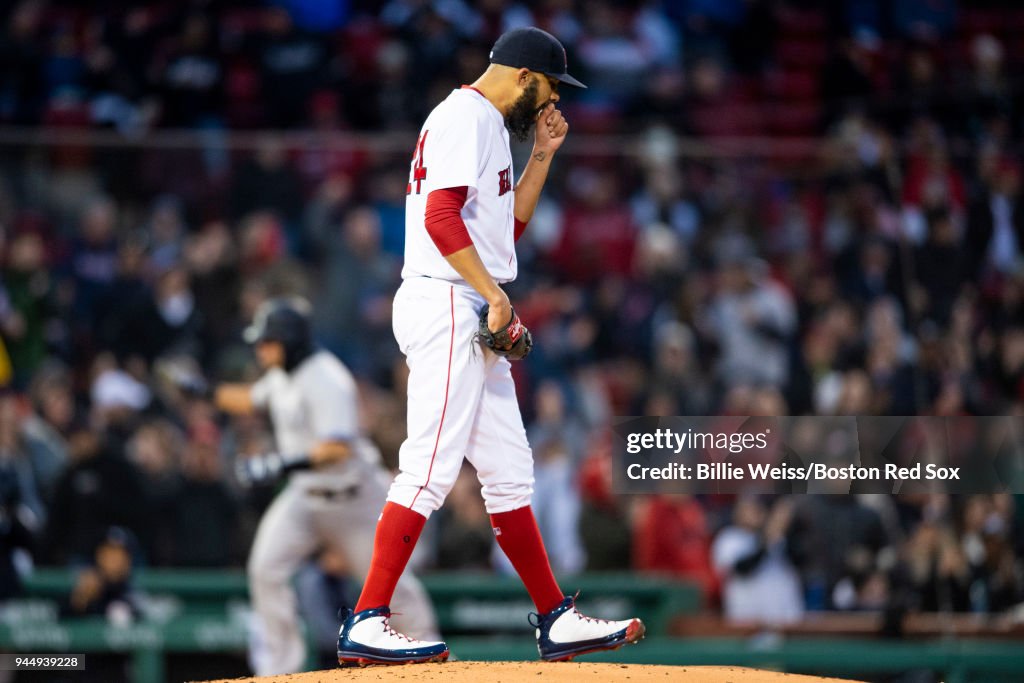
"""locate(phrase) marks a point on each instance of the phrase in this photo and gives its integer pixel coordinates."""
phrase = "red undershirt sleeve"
(443, 219)
(520, 228)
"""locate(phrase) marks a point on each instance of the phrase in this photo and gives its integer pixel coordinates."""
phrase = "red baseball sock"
(518, 535)
(397, 532)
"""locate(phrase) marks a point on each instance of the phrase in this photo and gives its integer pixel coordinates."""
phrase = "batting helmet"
(285, 321)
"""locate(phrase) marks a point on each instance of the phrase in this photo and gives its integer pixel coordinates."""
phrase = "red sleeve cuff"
(443, 219)
(520, 228)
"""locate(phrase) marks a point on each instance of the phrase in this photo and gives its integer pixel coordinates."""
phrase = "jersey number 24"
(419, 171)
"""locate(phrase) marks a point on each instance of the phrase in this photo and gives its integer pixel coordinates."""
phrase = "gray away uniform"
(332, 506)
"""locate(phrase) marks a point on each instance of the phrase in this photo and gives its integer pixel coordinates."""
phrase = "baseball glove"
(513, 341)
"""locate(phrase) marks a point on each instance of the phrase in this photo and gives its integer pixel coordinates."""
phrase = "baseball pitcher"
(458, 331)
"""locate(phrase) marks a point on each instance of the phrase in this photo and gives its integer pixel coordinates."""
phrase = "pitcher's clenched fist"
(551, 129)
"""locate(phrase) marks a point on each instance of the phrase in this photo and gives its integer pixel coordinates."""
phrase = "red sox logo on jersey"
(504, 181)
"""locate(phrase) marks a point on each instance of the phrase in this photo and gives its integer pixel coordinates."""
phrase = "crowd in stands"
(864, 255)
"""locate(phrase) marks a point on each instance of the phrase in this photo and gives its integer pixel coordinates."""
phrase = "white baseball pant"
(462, 403)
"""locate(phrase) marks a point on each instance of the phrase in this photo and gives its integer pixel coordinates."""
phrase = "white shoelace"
(388, 629)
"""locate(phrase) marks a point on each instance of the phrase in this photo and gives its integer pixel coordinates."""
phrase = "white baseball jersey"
(463, 143)
(316, 402)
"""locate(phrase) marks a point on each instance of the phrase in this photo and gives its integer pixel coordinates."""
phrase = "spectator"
(98, 490)
(555, 422)
(556, 504)
(890, 360)
(17, 526)
(166, 232)
(677, 370)
(21, 510)
(996, 583)
(875, 274)
(205, 513)
(995, 226)
(847, 83)
(941, 270)
(294, 65)
(437, 33)
(155, 448)
(814, 381)
(353, 314)
(924, 19)
(831, 537)
(106, 587)
(923, 91)
(395, 105)
(46, 426)
(30, 292)
(169, 321)
(753, 319)
(94, 260)
(935, 571)
(759, 582)
(932, 182)
(604, 518)
(267, 182)
(324, 588)
(16, 462)
(989, 86)
(131, 37)
(21, 57)
(598, 233)
(387, 195)
(130, 290)
(192, 76)
(211, 259)
(671, 536)
(467, 538)
(619, 46)
(662, 200)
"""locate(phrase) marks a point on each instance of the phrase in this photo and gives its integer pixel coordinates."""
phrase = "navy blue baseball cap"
(536, 50)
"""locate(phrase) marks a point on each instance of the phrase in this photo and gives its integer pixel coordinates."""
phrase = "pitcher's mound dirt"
(563, 672)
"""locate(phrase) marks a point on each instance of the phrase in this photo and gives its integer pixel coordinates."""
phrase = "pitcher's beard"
(523, 114)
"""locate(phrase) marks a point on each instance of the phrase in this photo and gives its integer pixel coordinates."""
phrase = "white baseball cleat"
(366, 637)
(564, 633)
